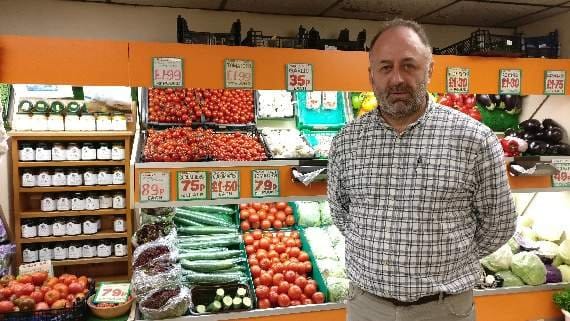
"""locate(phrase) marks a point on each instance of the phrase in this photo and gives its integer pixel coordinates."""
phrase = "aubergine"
(554, 134)
(512, 104)
(550, 123)
(541, 135)
(562, 149)
(485, 101)
(531, 125)
(537, 147)
(496, 100)
(529, 136)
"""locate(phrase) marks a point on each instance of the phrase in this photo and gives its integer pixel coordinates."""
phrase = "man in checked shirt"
(419, 190)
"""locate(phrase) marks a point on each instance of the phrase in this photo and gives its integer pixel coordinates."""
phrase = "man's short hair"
(399, 22)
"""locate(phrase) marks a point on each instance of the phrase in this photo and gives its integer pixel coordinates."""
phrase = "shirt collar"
(430, 107)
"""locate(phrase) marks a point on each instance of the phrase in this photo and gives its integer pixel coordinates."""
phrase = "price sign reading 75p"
(192, 186)
(265, 182)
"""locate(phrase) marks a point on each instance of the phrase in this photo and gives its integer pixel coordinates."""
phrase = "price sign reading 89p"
(457, 81)
(299, 77)
(154, 186)
(265, 182)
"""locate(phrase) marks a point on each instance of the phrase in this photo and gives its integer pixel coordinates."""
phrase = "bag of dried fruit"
(169, 302)
(150, 232)
(156, 251)
(154, 276)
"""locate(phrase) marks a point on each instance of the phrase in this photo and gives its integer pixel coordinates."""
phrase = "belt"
(422, 300)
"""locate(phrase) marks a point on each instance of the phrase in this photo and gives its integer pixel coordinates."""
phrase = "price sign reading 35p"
(562, 178)
(238, 73)
(265, 182)
(299, 77)
(154, 186)
(167, 72)
(113, 293)
(224, 184)
(554, 82)
(192, 186)
(510, 81)
(457, 80)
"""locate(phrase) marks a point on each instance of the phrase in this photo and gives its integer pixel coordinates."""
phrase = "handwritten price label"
(154, 186)
(192, 186)
(554, 82)
(224, 184)
(457, 80)
(510, 81)
(42, 266)
(113, 293)
(265, 182)
(562, 178)
(238, 73)
(167, 72)
(299, 77)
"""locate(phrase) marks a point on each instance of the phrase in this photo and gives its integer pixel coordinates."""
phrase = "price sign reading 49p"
(238, 73)
(299, 77)
(224, 184)
(562, 178)
(113, 293)
(457, 81)
(192, 186)
(154, 186)
(554, 82)
(265, 182)
(167, 72)
(510, 81)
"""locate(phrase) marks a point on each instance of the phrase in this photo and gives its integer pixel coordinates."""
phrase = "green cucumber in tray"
(193, 278)
(179, 221)
(210, 265)
(204, 218)
(204, 230)
(208, 255)
(212, 209)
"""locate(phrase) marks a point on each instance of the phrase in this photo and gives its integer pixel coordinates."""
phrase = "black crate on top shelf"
(542, 46)
(185, 35)
(256, 38)
(341, 43)
(484, 43)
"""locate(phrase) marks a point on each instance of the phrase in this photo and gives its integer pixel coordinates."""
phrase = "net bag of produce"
(163, 303)
(151, 232)
(157, 251)
(159, 214)
(153, 276)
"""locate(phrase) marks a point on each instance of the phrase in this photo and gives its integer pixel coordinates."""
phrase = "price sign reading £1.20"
(224, 184)
(562, 178)
(510, 81)
(154, 186)
(112, 293)
(299, 77)
(265, 182)
(192, 186)
(238, 73)
(554, 82)
(167, 72)
(457, 80)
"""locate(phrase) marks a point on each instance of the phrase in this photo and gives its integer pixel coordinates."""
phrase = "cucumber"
(192, 277)
(212, 209)
(237, 303)
(237, 268)
(205, 218)
(205, 245)
(241, 292)
(220, 255)
(206, 238)
(246, 302)
(209, 265)
(201, 308)
(227, 302)
(180, 222)
(214, 306)
(208, 250)
(219, 294)
(203, 230)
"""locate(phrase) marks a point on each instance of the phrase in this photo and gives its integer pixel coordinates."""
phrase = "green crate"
(316, 273)
(320, 119)
(311, 137)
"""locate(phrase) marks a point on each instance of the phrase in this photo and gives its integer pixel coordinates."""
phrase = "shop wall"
(543, 27)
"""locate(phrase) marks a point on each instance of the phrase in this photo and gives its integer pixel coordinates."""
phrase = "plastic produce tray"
(320, 119)
(205, 294)
(257, 113)
(316, 273)
(311, 137)
(271, 156)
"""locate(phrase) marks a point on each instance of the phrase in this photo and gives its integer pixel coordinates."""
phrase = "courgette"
(241, 292)
(220, 255)
(246, 302)
(192, 277)
(201, 308)
(237, 302)
(219, 294)
(203, 230)
(211, 209)
(227, 302)
(214, 306)
(210, 265)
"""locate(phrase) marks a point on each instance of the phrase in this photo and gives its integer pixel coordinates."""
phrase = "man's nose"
(396, 77)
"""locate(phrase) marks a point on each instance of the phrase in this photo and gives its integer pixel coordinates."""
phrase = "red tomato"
(294, 235)
(301, 282)
(256, 206)
(243, 214)
(280, 248)
(5, 293)
(295, 303)
(294, 292)
(273, 297)
(283, 287)
(303, 256)
(41, 306)
(245, 226)
(243, 206)
(265, 279)
(6, 306)
(262, 291)
(284, 257)
(264, 303)
(265, 263)
(262, 215)
(255, 271)
(288, 210)
(252, 262)
(298, 243)
(308, 266)
(38, 296)
(318, 297)
(248, 240)
(18, 289)
(277, 267)
(264, 244)
(277, 278)
(283, 300)
(38, 278)
(59, 304)
(62, 288)
(290, 243)
(253, 218)
(277, 224)
(301, 268)
(256, 234)
(307, 301)
(310, 289)
(256, 244)
(51, 296)
(290, 276)
(294, 252)
(75, 287)
(266, 224)
(44, 289)
(289, 220)
(281, 205)
(249, 249)
(256, 281)
(25, 278)
(280, 215)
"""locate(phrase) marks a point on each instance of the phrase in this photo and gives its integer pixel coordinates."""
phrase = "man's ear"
(430, 71)
(370, 77)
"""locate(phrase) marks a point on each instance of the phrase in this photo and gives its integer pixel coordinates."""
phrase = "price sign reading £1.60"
(192, 186)
(238, 73)
(112, 293)
(265, 182)
(224, 184)
(154, 186)
(299, 77)
(167, 72)
(562, 178)
(554, 82)
(510, 81)
(457, 80)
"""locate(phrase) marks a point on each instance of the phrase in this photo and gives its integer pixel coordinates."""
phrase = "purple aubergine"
(495, 99)
(531, 125)
(537, 147)
(549, 123)
(511, 102)
(484, 100)
(529, 136)
(541, 135)
(554, 134)
(562, 149)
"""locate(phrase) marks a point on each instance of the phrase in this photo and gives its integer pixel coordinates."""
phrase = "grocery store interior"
(167, 159)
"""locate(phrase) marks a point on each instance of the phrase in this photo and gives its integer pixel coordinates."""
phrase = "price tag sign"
(562, 178)
(299, 77)
(112, 293)
(265, 182)
(42, 266)
(192, 186)
(238, 73)
(457, 81)
(510, 81)
(554, 82)
(224, 184)
(154, 186)
(167, 72)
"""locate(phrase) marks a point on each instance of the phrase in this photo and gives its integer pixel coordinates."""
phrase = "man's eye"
(385, 68)
(409, 67)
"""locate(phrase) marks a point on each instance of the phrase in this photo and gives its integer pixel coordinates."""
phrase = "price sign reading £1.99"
(224, 184)
(457, 80)
(238, 73)
(154, 186)
(265, 182)
(112, 293)
(562, 178)
(299, 77)
(167, 72)
(192, 186)
(554, 82)
(510, 81)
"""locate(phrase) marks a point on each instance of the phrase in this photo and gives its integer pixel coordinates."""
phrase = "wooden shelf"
(105, 234)
(109, 211)
(71, 163)
(72, 134)
(53, 189)
(113, 278)
(97, 260)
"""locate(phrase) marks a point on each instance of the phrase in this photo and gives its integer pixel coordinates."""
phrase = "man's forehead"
(398, 41)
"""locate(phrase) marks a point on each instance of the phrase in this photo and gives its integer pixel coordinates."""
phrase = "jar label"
(105, 202)
(59, 229)
(104, 178)
(28, 180)
(73, 153)
(119, 123)
(73, 228)
(120, 250)
(44, 229)
(47, 205)
(89, 227)
(45, 254)
(118, 153)
(89, 251)
(118, 177)
(74, 179)
(91, 203)
(59, 179)
(44, 179)
(58, 154)
(29, 231)
(27, 154)
(75, 252)
(43, 154)
(77, 204)
(104, 152)
(119, 225)
(30, 255)
(118, 201)
(89, 178)
(88, 153)
(103, 250)
(60, 253)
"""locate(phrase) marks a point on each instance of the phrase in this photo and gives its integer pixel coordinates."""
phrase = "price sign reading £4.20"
(167, 72)
(554, 82)
(154, 186)
(299, 77)
(457, 80)
(510, 81)
(224, 184)
(238, 73)
(192, 186)
(562, 178)
(265, 182)
(112, 293)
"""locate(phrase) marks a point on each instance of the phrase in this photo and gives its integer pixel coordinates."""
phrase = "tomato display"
(266, 216)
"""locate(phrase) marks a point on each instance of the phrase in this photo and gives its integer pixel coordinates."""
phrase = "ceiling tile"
(484, 14)
(534, 17)
(385, 10)
(537, 2)
(194, 4)
(294, 7)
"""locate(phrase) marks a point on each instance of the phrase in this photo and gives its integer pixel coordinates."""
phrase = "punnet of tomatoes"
(280, 269)
(37, 292)
(466, 103)
(266, 216)
(197, 105)
(190, 145)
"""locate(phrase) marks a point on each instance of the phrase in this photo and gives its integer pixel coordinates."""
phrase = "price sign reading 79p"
(113, 293)
(265, 182)
(192, 186)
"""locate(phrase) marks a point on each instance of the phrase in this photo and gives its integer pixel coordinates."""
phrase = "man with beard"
(419, 191)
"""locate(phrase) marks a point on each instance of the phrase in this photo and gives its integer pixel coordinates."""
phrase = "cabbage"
(529, 234)
(499, 260)
(548, 230)
(565, 270)
(525, 220)
(515, 247)
(529, 268)
(326, 218)
(320, 243)
(335, 235)
(553, 274)
(331, 268)
(338, 289)
(564, 251)
(557, 261)
(509, 279)
(309, 214)
(547, 249)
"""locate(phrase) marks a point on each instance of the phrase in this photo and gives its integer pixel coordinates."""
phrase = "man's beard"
(402, 108)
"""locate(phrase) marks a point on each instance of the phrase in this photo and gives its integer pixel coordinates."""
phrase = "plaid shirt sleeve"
(492, 202)
(337, 193)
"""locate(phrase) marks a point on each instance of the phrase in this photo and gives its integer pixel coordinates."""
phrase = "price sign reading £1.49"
(265, 182)
(299, 77)
(112, 293)
(224, 184)
(457, 80)
(238, 73)
(510, 81)
(154, 186)
(192, 186)
(554, 82)
(167, 72)
(562, 178)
